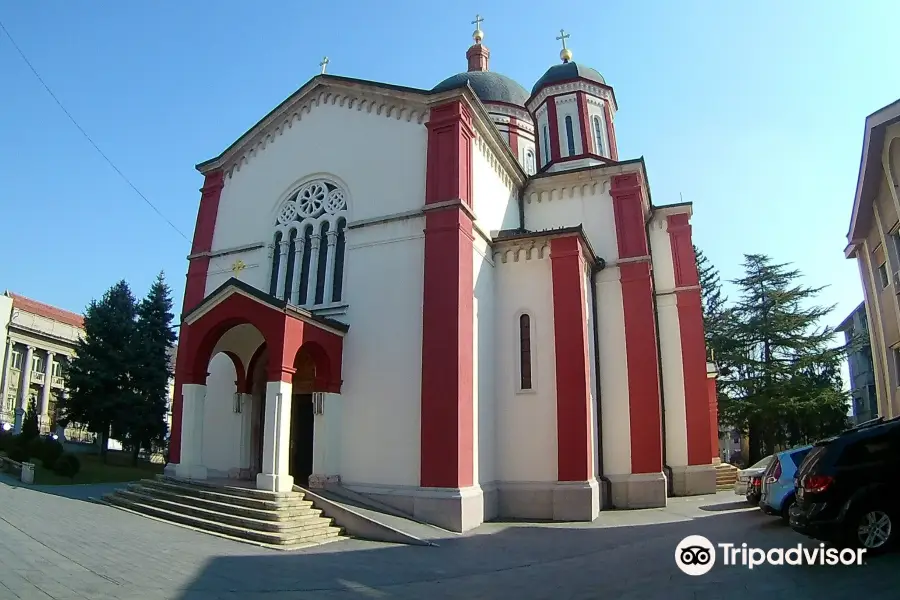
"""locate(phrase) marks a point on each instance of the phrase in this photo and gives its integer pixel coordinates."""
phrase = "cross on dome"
(324, 64)
(565, 54)
(478, 34)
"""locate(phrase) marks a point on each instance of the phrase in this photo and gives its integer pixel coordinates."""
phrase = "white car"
(744, 475)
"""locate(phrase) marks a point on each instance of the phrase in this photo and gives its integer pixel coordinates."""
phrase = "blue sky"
(753, 111)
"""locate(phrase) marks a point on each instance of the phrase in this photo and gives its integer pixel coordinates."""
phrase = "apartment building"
(860, 364)
(38, 340)
(874, 242)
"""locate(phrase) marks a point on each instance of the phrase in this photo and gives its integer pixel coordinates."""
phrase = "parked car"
(742, 485)
(777, 493)
(848, 491)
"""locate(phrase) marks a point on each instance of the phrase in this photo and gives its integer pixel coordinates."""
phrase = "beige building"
(874, 240)
(38, 340)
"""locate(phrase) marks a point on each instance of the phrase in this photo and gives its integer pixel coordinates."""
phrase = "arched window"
(524, 352)
(529, 162)
(598, 136)
(309, 244)
(546, 145)
(570, 135)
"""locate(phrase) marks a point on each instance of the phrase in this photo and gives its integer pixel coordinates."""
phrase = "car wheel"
(872, 529)
(786, 509)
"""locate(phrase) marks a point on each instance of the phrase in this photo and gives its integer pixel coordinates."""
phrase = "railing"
(37, 377)
(58, 382)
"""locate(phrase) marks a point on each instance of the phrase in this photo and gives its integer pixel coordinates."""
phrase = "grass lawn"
(118, 468)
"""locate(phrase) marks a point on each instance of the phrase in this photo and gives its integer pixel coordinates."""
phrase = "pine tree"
(712, 298)
(99, 375)
(144, 425)
(784, 386)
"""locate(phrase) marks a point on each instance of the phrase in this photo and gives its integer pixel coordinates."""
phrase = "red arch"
(323, 381)
(251, 367)
(240, 376)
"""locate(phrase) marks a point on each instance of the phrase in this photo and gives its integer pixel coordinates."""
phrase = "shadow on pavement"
(735, 505)
(522, 562)
(75, 492)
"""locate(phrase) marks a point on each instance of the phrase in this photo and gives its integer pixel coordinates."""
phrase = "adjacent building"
(874, 241)
(38, 342)
(862, 369)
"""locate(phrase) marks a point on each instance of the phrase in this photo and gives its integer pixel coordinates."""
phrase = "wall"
(221, 425)
(592, 361)
(5, 316)
(484, 370)
(526, 424)
(495, 201)
(43, 325)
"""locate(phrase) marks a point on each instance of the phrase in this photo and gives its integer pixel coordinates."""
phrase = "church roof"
(566, 72)
(487, 85)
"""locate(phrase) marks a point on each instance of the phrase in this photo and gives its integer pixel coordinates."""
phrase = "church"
(460, 302)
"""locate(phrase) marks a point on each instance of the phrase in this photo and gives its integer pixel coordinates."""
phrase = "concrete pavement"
(64, 548)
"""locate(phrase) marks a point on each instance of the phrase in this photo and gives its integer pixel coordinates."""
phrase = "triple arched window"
(308, 247)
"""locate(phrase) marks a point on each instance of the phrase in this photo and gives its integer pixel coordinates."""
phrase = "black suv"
(848, 488)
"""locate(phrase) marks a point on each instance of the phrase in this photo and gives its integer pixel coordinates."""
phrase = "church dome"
(488, 86)
(566, 72)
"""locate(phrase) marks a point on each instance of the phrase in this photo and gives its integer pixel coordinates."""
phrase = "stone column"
(282, 267)
(45, 391)
(246, 403)
(4, 388)
(24, 388)
(192, 409)
(315, 242)
(299, 245)
(329, 267)
(275, 476)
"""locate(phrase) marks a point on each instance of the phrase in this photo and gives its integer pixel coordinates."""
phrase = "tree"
(30, 427)
(99, 375)
(143, 424)
(784, 384)
(712, 298)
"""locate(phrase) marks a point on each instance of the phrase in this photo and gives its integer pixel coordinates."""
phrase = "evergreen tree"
(712, 298)
(784, 384)
(99, 375)
(143, 424)
(30, 427)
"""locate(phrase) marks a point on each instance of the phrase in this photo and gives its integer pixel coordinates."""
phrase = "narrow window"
(304, 269)
(525, 352)
(289, 281)
(276, 258)
(337, 287)
(16, 360)
(323, 264)
(570, 135)
(883, 274)
(529, 162)
(546, 145)
(598, 136)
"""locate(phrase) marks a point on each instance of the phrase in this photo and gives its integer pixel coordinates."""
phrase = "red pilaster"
(640, 328)
(553, 129)
(447, 428)
(587, 140)
(194, 292)
(573, 396)
(514, 136)
(693, 343)
(611, 133)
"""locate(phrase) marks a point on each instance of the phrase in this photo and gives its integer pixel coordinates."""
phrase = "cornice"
(581, 85)
(590, 181)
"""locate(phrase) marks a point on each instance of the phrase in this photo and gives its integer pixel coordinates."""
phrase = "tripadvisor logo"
(696, 555)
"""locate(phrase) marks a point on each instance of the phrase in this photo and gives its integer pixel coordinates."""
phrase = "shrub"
(51, 450)
(6, 441)
(67, 465)
(35, 446)
(19, 453)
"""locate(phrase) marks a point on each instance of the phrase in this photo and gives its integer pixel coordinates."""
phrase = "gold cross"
(238, 266)
(324, 64)
(478, 21)
(563, 36)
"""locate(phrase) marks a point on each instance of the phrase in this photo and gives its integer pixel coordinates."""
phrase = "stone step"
(235, 490)
(296, 537)
(286, 526)
(296, 500)
(272, 514)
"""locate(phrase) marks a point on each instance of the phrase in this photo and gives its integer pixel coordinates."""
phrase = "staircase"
(726, 476)
(284, 520)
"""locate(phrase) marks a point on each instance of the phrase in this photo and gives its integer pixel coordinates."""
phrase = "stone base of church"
(185, 471)
(274, 483)
(170, 469)
(453, 509)
(693, 480)
(556, 501)
(644, 490)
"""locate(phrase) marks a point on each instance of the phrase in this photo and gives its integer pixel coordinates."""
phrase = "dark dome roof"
(488, 86)
(566, 72)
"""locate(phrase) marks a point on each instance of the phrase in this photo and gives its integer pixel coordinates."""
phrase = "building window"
(546, 145)
(525, 382)
(896, 353)
(57, 369)
(37, 364)
(310, 239)
(598, 136)
(16, 360)
(529, 162)
(570, 135)
(883, 275)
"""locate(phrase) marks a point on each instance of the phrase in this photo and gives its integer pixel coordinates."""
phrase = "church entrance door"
(302, 419)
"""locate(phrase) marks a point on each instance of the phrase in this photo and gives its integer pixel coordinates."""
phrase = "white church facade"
(459, 302)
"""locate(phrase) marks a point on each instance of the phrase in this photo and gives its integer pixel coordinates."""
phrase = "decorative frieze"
(482, 146)
(590, 188)
(522, 251)
(594, 89)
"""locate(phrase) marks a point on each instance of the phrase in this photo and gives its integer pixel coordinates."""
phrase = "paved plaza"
(65, 548)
